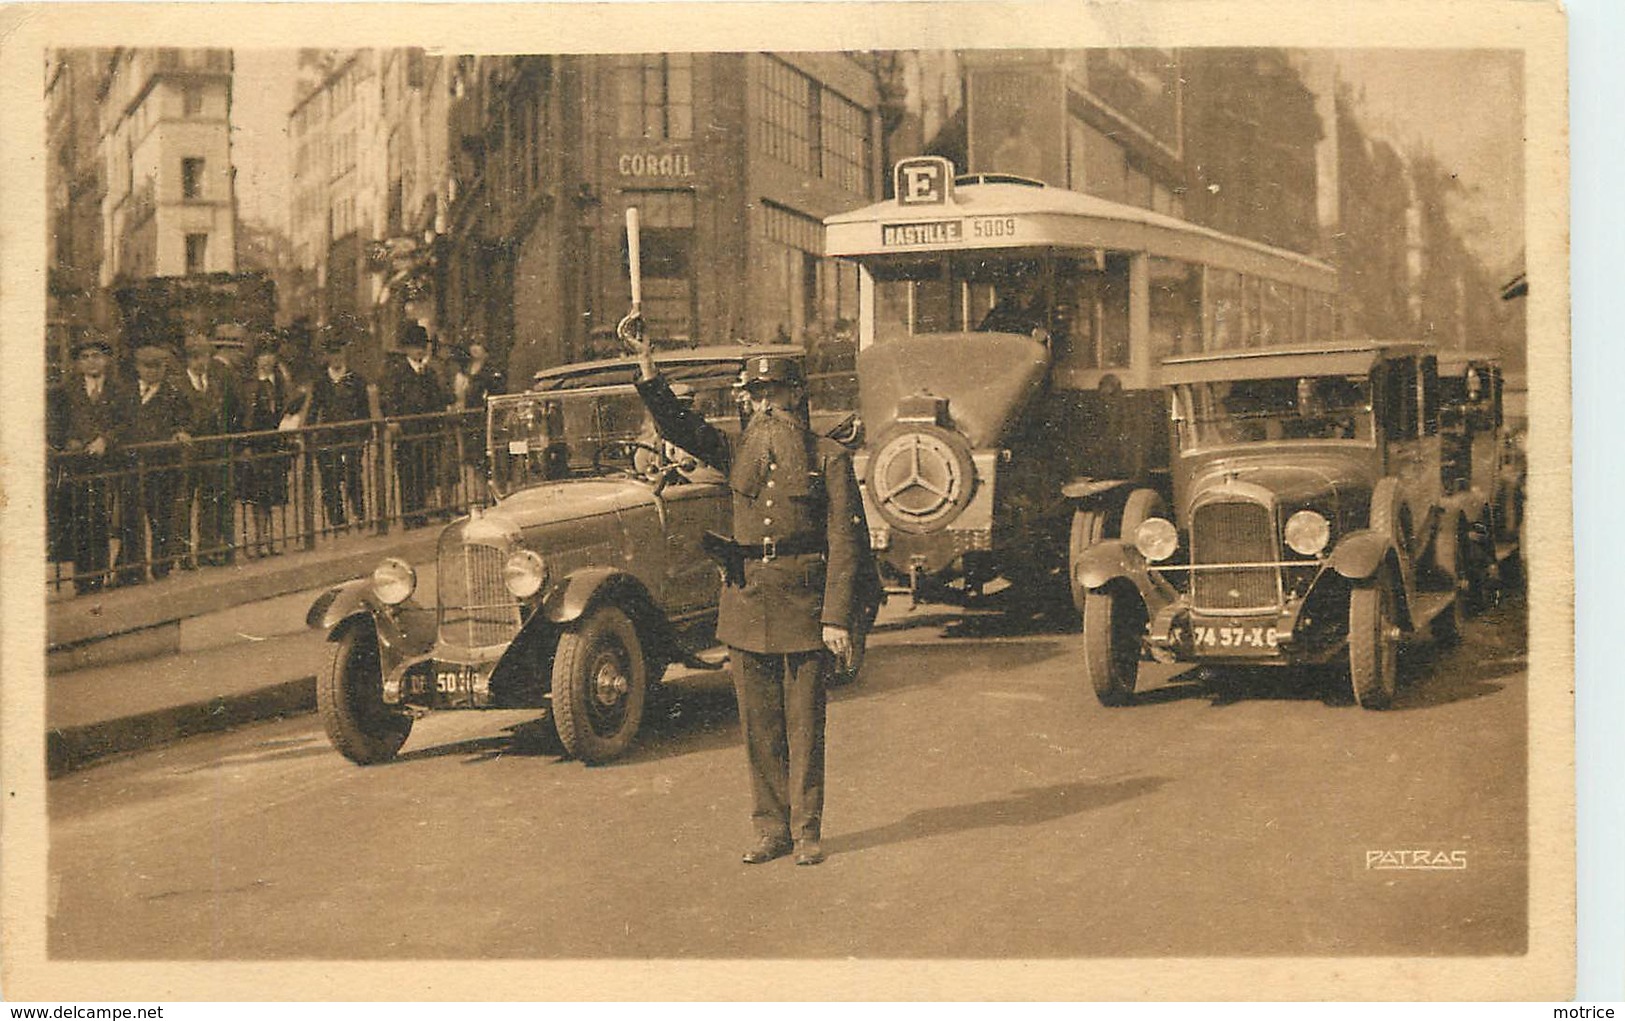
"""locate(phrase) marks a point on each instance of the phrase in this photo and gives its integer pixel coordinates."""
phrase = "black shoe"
(766, 850)
(809, 852)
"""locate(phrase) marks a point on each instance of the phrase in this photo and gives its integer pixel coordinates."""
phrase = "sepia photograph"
(1079, 502)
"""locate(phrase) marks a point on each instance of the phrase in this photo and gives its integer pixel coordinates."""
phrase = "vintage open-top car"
(1313, 520)
(574, 592)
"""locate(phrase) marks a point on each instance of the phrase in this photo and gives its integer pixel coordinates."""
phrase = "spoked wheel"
(600, 684)
(350, 700)
(1112, 627)
(1374, 644)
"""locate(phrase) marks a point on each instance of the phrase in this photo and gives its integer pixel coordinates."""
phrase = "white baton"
(634, 258)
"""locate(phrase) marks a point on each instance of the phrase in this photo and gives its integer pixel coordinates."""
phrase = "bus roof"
(1040, 217)
(1353, 357)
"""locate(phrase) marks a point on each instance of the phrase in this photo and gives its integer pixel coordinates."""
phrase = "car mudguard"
(1112, 559)
(1358, 556)
(403, 631)
(342, 602)
(572, 597)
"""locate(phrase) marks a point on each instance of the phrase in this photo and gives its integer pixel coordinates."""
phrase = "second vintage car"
(573, 592)
(1313, 522)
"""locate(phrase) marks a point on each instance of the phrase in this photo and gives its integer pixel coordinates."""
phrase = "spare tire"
(921, 476)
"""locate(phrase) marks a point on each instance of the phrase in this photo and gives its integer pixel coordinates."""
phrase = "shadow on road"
(1027, 807)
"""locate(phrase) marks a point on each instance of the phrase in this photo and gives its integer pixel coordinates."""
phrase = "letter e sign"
(923, 181)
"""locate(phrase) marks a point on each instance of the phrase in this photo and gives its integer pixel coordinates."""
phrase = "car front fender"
(1360, 555)
(572, 596)
(403, 631)
(1114, 559)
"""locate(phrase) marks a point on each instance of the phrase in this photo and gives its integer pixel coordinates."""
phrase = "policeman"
(788, 602)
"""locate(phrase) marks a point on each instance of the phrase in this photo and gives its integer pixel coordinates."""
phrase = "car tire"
(1088, 528)
(600, 686)
(1373, 644)
(350, 700)
(1112, 627)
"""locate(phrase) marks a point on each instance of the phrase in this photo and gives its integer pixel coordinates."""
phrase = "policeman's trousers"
(781, 709)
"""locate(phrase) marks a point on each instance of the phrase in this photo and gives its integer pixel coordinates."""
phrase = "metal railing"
(141, 511)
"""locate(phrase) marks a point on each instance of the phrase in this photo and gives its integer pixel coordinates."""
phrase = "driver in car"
(653, 454)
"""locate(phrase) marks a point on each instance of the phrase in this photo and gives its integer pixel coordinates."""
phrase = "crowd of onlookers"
(161, 463)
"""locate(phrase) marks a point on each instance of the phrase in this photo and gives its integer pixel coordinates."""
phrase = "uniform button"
(767, 521)
(770, 503)
(771, 483)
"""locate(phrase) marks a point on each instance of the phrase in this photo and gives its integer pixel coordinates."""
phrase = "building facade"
(74, 176)
(368, 154)
(732, 160)
(169, 207)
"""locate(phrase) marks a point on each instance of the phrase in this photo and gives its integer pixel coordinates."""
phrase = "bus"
(1009, 341)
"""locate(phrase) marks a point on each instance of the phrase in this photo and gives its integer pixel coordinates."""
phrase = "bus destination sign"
(933, 232)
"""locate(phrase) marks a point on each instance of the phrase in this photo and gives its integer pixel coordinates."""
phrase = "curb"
(72, 748)
(145, 624)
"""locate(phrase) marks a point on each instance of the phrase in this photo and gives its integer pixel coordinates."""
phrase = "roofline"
(1112, 210)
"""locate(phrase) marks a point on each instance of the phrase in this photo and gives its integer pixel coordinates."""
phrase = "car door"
(1413, 446)
(692, 581)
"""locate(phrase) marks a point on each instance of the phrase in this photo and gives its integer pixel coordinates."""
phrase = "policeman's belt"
(767, 549)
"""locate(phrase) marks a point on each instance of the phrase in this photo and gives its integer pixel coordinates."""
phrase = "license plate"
(1234, 638)
(454, 680)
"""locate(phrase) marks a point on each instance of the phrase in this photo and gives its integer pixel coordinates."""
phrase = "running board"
(714, 658)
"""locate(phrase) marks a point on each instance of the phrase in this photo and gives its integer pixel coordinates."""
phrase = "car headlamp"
(525, 573)
(1308, 532)
(1156, 539)
(393, 581)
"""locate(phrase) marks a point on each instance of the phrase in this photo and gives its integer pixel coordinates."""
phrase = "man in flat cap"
(155, 417)
(213, 408)
(411, 387)
(339, 394)
(789, 595)
(82, 425)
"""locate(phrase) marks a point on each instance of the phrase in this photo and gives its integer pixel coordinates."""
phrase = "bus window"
(1090, 329)
(1224, 309)
(1275, 324)
(1176, 308)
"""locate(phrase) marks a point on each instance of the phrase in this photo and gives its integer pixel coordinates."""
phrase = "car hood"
(554, 503)
(1338, 484)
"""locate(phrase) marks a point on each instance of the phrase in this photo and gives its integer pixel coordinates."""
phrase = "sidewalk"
(198, 652)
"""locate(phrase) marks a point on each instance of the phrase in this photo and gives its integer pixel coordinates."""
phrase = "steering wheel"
(626, 449)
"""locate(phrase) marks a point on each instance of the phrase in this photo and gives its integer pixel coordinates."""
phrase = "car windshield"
(1306, 408)
(544, 437)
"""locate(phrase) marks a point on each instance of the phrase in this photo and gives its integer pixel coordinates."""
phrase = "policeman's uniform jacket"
(796, 509)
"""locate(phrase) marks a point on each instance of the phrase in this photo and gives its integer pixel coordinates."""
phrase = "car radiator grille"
(1234, 533)
(476, 608)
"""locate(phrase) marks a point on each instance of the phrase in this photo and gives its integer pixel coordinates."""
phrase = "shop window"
(656, 96)
(666, 248)
(192, 100)
(1224, 309)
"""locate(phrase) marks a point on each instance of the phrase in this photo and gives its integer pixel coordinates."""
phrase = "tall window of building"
(667, 250)
(192, 177)
(656, 96)
(192, 99)
(805, 303)
(788, 115)
(845, 135)
(197, 253)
